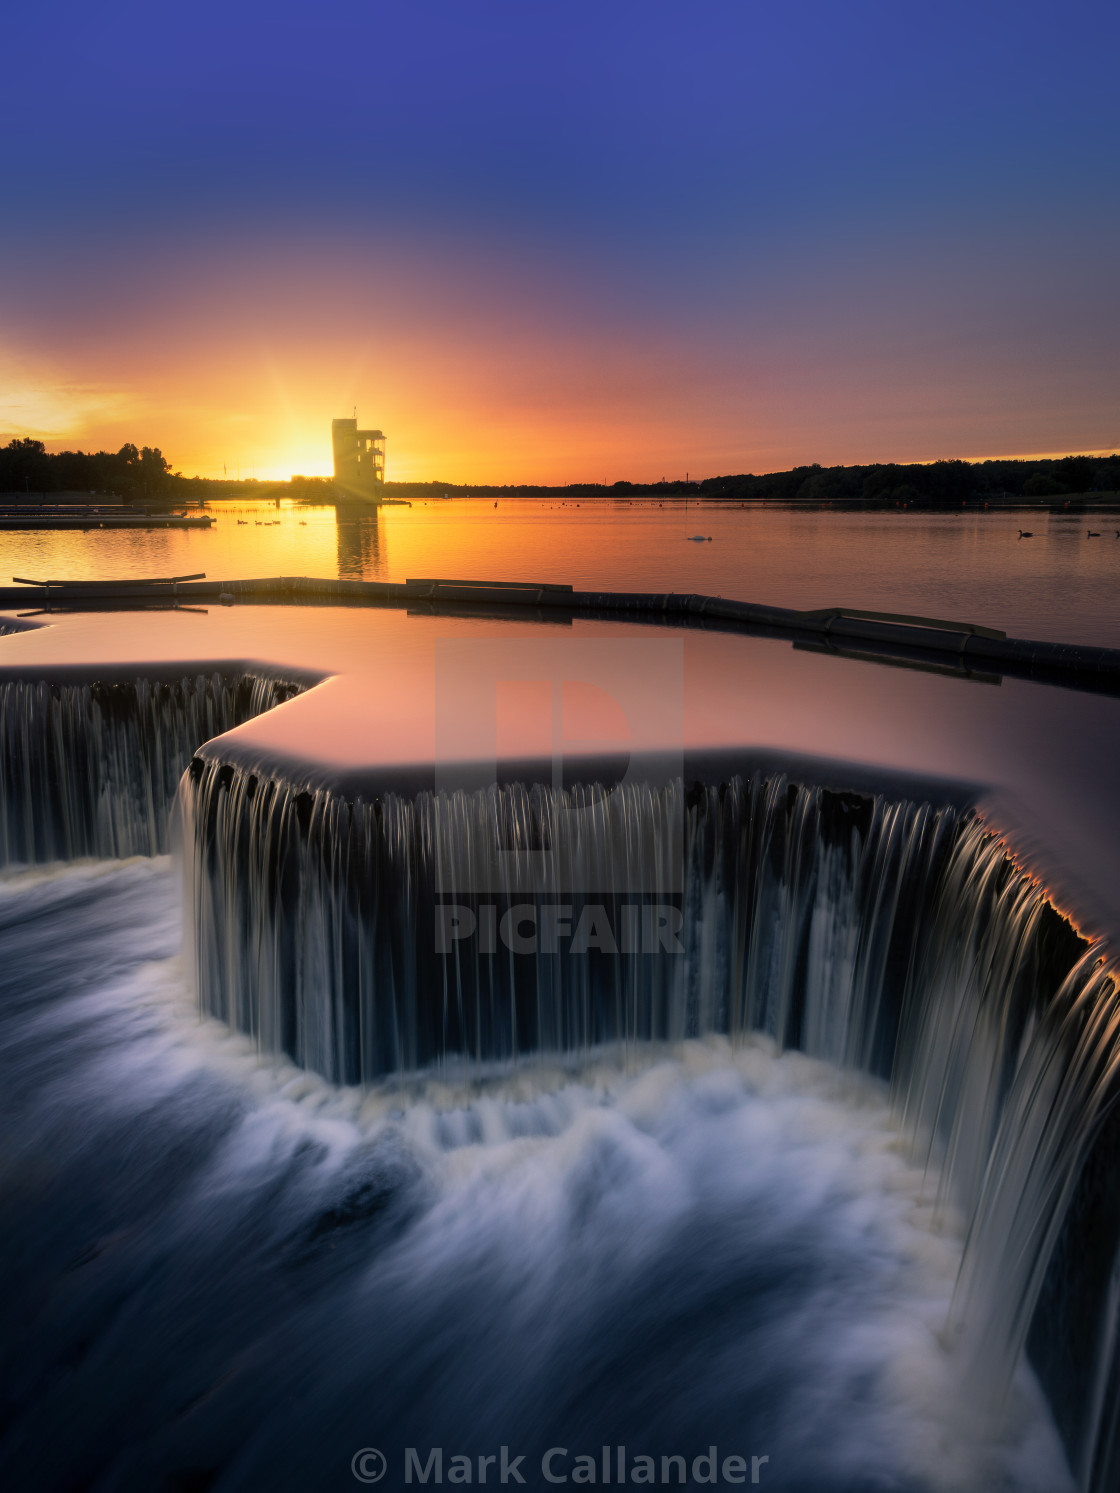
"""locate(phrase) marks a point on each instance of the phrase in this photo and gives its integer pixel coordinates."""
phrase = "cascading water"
(478, 936)
(92, 768)
(319, 920)
(893, 937)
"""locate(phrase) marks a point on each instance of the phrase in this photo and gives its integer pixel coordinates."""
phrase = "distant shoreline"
(31, 474)
(250, 491)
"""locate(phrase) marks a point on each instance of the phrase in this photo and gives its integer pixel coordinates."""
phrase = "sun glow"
(475, 376)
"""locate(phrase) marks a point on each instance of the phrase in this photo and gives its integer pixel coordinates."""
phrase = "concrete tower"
(359, 461)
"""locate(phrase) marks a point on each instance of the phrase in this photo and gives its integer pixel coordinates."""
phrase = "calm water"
(1059, 585)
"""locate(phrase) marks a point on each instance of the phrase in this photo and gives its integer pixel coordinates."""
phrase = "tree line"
(136, 474)
(938, 484)
(26, 466)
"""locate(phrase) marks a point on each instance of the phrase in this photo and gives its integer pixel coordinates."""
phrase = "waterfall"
(896, 937)
(343, 932)
(92, 768)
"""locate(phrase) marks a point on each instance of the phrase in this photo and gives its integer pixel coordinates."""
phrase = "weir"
(372, 936)
(91, 767)
(894, 936)
(369, 935)
(960, 648)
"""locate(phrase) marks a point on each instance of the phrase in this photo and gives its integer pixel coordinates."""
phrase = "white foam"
(597, 1163)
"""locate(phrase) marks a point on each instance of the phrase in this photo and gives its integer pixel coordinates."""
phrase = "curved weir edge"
(961, 648)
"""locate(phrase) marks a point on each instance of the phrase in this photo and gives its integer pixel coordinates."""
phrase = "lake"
(1059, 585)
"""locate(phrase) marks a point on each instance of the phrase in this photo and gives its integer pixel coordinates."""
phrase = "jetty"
(75, 516)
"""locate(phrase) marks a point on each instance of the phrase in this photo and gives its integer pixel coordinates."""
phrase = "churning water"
(226, 1275)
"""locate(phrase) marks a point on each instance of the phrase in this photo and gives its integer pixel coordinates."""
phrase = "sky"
(552, 242)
